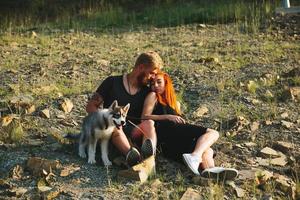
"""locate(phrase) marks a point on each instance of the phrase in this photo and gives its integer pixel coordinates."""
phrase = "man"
(131, 88)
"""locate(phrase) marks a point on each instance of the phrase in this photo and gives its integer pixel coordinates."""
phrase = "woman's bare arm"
(149, 105)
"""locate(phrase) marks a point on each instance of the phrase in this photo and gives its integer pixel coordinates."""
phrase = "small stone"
(250, 144)
(286, 185)
(295, 93)
(247, 174)
(30, 109)
(262, 162)
(67, 105)
(18, 192)
(66, 171)
(36, 165)
(254, 126)
(268, 152)
(268, 122)
(281, 161)
(61, 116)
(286, 124)
(284, 115)
(156, 184)
(190, 194)
(200, 111)
(45, 113)
(17, 172)
(239, 192)
(284, 146)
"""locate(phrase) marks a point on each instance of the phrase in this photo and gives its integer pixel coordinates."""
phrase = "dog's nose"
(123, 123)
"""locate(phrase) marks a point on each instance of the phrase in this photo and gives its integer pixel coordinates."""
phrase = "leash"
(136, 126)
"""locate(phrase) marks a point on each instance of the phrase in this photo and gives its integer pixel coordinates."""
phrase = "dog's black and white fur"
(100, 125)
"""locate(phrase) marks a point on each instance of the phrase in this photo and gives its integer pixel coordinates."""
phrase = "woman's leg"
(204, 142)
(207, 159)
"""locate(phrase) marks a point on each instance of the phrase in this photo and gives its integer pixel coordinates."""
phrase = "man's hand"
(175, 118)
(94, 103)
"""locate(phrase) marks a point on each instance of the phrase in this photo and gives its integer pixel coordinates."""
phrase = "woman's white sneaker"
(220, 173)
(192, 162)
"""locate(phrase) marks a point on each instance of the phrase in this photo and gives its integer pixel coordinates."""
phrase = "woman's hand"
(175, 118)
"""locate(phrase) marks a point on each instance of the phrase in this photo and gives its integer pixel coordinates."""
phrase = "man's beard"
(142, 80)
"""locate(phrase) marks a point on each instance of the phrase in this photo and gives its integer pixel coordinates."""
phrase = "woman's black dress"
(175, 138)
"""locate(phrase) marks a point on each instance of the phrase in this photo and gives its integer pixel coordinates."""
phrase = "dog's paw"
(91, 161)
(107, 163)
(82, 154)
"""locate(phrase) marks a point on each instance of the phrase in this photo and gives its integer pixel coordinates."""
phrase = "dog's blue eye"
(117, 115)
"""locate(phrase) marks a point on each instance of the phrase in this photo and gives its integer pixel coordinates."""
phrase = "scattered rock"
(268, 122)
(67, 170)
(21, 101)
(254, 126)
(156, 184)
(67, 105)
(5, 121)
(18, 192)
(239, 191)
(286, 124)
(200, 111)
(42, 186)
(190, 194)
(61, 116)
(295, 93)
(268, 152)
(30, 109)
(17, 172)
(284, 115)
(45, 113)
(281, 161)
(250, 144)
(36, 165)
(140, 172)
(286, 185)
(247, 174)
(262, 162)
(285, 147)
(4, 184)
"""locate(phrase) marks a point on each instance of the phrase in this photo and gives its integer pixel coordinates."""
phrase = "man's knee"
(147, 124)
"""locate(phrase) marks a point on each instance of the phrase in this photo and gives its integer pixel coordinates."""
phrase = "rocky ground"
(247, 86)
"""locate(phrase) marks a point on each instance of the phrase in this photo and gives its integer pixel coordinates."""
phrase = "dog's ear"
(113, 105)
(126, 108)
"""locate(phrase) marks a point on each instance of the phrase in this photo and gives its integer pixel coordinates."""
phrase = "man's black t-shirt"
(112, 88)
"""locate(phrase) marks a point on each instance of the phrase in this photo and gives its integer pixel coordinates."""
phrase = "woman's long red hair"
(169, 95)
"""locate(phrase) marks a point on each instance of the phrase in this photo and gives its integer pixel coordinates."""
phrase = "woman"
(177, 137)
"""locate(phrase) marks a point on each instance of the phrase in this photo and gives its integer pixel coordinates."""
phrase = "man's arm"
(94, 103)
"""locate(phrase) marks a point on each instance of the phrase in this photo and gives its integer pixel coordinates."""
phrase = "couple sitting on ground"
(156, 114)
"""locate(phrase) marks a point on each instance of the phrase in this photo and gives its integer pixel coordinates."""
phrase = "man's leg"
(146, 129)
(120, 140)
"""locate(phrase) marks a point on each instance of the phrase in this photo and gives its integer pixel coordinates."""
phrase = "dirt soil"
(250, 84)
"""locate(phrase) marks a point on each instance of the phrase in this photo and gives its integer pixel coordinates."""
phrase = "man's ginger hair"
(150, 59)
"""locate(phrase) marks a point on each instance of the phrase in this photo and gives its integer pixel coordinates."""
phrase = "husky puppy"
(100, 125)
